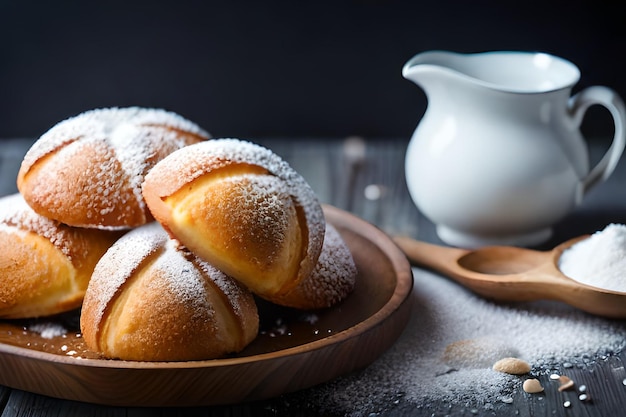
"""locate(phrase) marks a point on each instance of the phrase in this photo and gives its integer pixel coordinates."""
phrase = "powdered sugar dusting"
(191, 162)
(259, 211)
(101, 185)
(185, 278)
(124, 144)
(118, 263)
(16, 215)
(182, 278)
(229, 287)
(334, 275)
(99, 123)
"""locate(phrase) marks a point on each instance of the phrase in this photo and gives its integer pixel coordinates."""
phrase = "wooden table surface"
(371, 186)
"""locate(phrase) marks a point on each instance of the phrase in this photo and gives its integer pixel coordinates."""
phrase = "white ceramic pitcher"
(498, 156)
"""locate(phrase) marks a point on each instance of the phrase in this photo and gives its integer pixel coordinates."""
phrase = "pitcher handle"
(604, 96)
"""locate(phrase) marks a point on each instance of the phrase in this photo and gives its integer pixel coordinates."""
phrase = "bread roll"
(87, 171)
(243, 209)
(152, 300)
(45, 266)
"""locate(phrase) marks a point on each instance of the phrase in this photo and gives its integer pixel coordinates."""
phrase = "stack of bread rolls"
(245, 210)
(233, 222)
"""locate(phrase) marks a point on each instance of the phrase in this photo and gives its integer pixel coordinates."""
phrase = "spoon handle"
(439, 258)
(531, 282)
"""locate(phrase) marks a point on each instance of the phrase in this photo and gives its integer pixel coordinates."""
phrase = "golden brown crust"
(86, 171)
(152, 300)
(45, 266)
(241, 208)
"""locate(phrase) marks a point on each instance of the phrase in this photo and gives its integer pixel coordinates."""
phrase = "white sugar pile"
(599, 261)
(454, 337)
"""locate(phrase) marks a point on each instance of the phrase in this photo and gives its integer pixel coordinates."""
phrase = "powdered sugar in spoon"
(510, 273)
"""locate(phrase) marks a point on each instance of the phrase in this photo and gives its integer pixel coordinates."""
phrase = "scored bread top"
(125, 257)
(185, 296)
(87, 170)
(198, 159)
(248, 187)
(103, 124)
(195, 160)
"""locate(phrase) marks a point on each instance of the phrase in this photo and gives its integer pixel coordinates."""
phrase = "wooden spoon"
(515, 274)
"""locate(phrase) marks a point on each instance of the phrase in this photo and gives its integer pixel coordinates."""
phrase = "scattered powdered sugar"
(451, 342)
(600, 260)
(48, 330)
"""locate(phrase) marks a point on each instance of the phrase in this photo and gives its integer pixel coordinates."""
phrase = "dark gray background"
(275, 68)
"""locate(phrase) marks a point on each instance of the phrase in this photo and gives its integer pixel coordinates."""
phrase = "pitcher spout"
(504, 71)
(439, 60)
(426, 67)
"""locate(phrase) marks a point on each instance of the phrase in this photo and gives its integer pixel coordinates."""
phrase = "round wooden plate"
(294, 349)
